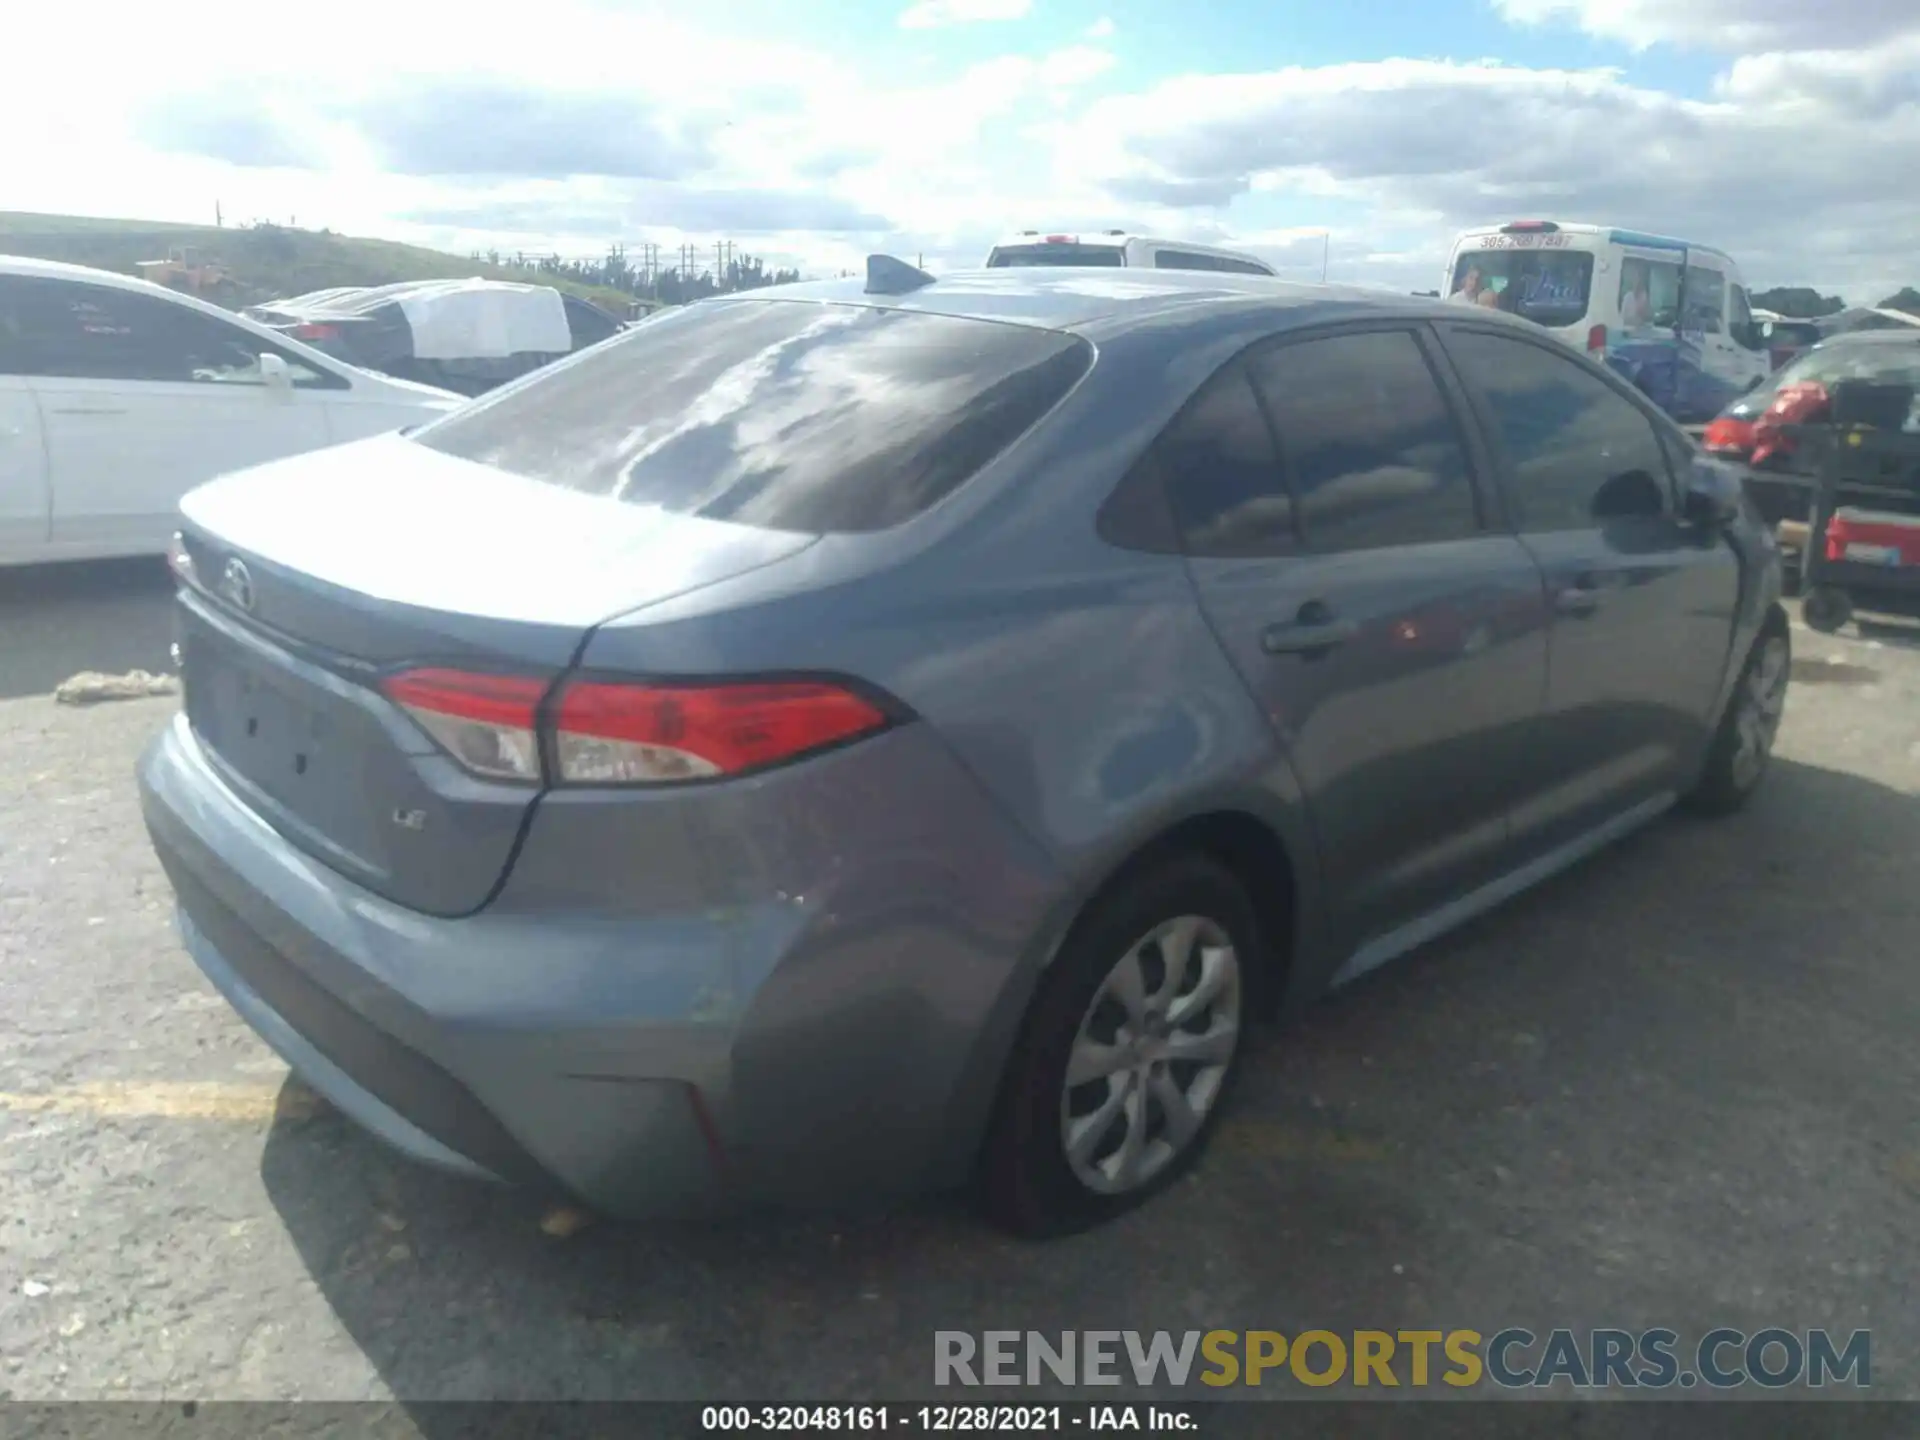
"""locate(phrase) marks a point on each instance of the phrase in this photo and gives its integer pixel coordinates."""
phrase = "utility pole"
(1326, 251)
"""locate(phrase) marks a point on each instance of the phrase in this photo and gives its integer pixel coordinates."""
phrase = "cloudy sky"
(815, 131)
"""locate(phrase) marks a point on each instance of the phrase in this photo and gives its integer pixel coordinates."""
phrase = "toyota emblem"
(236, 583)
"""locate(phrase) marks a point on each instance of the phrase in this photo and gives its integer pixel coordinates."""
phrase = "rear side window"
(1369, 442)
(1222, 475)
(68, 330)
(1184, 260)
(1582, 454)
(778, 414)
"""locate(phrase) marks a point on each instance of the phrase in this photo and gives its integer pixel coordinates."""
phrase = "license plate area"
(255, 722)
(1864, 554)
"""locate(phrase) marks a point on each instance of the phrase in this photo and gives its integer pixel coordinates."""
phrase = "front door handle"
(1580, 598)
(1313, 630)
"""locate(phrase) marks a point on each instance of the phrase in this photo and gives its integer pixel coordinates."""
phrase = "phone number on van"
(1523, 242)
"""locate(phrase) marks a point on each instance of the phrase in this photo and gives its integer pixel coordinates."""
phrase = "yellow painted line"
(163, 1100)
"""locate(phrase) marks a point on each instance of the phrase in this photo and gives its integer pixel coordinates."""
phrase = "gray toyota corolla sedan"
(867, 737)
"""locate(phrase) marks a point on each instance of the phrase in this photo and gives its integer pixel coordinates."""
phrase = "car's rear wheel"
(1128, 1051)
(1826, 609)
(1743, 745)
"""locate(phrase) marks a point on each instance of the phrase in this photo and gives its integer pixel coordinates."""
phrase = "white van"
(1671, 315)
(1117, 247)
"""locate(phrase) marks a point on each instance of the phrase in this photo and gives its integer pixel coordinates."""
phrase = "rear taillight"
(619, 733)
(489, 723)
(1597, 340)
(1729, 435)
(622, 734)
(311, 332)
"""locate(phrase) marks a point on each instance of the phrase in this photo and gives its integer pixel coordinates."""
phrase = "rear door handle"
(1314, 629)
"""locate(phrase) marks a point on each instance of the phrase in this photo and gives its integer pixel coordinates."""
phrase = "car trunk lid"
(309, 580)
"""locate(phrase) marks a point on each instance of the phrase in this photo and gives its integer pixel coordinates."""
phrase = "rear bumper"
(641, 1065)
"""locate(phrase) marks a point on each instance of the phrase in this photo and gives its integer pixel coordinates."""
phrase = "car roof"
(1114, 238)
(63, 270)
(1614, 234)
(1073, 298)
(1872, 337)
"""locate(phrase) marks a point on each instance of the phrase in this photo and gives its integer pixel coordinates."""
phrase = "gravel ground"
(1674, 1087)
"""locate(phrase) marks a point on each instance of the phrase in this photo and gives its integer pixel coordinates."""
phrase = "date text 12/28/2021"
(946, 1419)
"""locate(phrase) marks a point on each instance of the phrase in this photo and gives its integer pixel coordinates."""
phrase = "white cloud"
(1729, 26)
(1431, 146)
(1074, 66)
(1795, 158)
(934, 14)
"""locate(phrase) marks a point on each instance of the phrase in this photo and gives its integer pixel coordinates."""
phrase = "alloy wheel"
(1151, 1055)
(1762, 700)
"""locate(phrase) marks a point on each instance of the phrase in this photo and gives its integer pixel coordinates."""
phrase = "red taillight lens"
(624, 734)
(1729, 435)
(315, 332)
(1062, 239)
(489, 723)
(1597, 340)
(617, 733)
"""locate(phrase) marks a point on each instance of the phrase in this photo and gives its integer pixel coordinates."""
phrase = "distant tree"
(1798, 302)
(1906, 299)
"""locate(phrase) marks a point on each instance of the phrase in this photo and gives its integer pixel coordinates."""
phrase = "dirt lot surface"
(1675, 1087)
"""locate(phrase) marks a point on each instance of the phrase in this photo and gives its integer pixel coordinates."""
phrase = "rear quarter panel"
(1077, 683)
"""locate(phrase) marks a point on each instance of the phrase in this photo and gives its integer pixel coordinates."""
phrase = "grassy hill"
(263, 261)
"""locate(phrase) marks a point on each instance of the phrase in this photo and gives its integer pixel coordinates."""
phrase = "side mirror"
(274, 371)
(1710, 498)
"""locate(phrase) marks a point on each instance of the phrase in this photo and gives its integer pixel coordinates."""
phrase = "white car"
(1118, 248)
(118, 396)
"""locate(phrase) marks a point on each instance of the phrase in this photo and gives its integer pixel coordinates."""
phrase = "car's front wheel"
(1743, 745)
(1127, 1053)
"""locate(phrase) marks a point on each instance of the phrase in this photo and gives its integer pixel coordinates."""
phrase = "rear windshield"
(1830, 364)
(1008, 256)
(778, 414)
(1548, 287)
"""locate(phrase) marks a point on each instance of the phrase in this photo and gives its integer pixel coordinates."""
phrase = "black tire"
(1826, 609)
(1733, 772)
(1026, 1184)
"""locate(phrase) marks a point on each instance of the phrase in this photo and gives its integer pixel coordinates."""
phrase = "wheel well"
(1258, 859)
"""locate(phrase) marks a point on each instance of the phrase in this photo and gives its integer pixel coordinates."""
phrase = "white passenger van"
(1671, 315)
(1117, 247)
